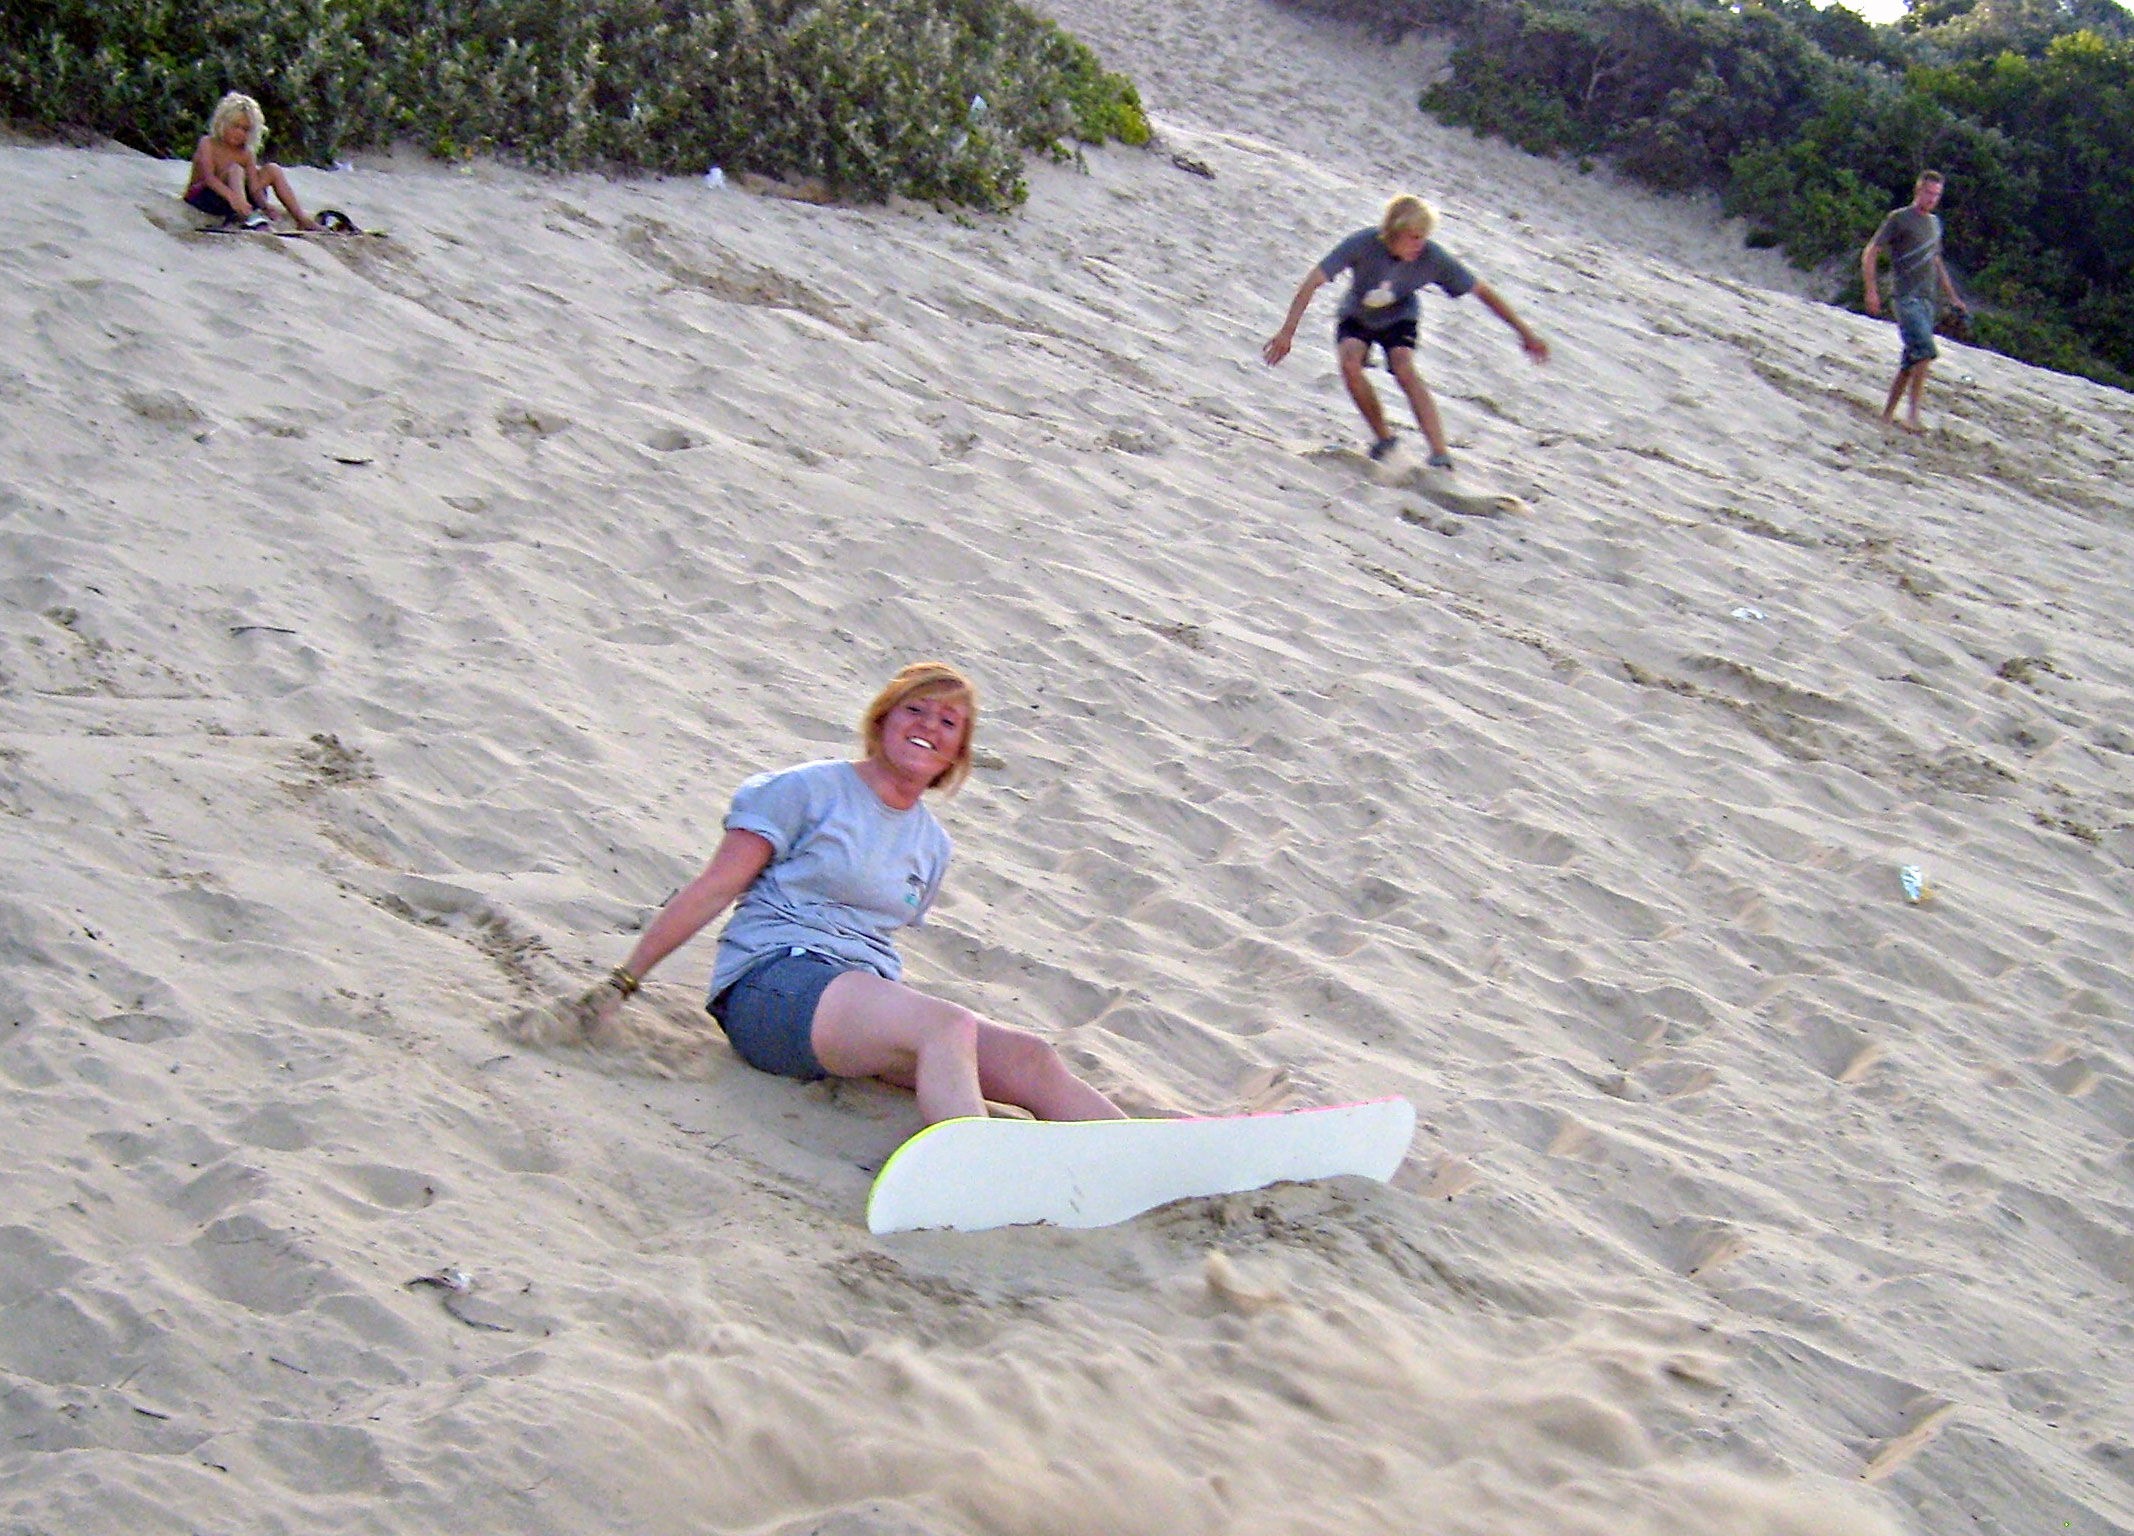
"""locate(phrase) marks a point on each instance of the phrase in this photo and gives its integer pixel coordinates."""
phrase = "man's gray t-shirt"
(846, 870)
(1381, 289)
(1913, 240)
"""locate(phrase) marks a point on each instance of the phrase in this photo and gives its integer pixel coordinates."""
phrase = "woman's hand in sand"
(579, 1020)
(594, 1010)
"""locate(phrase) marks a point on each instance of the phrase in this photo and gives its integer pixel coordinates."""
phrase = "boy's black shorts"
(1401, 333)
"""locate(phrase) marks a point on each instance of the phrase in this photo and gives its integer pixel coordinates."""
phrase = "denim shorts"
(1915, 326)
(768, 1012)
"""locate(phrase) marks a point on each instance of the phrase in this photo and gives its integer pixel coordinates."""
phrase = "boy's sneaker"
(1382, 447)
(1441, 461)
(257, 220)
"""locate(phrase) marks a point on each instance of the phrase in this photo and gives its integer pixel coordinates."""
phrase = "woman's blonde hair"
(228, 108)
(1408, 213)
(931, 679)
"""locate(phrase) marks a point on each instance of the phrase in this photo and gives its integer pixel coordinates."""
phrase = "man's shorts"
(1397, 333)
(768, 1012)
(1915, 325)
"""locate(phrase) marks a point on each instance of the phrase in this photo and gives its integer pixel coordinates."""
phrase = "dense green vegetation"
(1813, 123)
(930, 98)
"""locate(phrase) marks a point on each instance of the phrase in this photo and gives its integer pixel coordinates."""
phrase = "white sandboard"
(278, 233)
(1443, 486)
(976, 1173)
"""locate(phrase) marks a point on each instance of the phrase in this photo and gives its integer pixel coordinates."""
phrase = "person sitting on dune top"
(822, 864)
(229, 182)
(1387, 266)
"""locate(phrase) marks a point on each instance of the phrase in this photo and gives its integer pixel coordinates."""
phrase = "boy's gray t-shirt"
(1382, 289)
(846, 870)
(1913, 240)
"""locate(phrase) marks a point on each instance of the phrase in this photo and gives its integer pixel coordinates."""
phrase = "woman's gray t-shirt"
(846, 871)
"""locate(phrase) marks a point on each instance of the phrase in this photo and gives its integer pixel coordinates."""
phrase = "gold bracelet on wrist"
(625, 983)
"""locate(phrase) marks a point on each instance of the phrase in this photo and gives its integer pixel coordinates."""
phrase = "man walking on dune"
(1912, 236)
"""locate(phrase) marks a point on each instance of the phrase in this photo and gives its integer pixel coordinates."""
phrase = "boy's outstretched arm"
(1279, 344)
(1535, 347)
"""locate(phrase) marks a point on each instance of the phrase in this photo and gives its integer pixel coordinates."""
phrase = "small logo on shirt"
(1379, 297)
(914, 890)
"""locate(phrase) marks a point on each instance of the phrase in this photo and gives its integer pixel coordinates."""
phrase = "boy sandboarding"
(1387, 267)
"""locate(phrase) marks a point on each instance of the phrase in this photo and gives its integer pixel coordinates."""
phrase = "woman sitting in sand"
(822, 864)
(229, 182)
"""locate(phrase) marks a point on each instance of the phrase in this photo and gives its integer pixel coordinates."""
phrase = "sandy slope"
(385, 626)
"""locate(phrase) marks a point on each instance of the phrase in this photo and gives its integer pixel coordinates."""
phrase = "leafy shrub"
(1488, 98)
(930, 98)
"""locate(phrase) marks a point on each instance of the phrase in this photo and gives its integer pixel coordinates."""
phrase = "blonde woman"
(229, 182)
(822, 864)
(1387, 267)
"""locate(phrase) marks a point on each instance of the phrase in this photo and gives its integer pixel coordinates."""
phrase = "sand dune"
(386, 624)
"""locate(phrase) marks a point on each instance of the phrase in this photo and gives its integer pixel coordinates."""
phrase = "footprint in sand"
(1265, 1091)
(142, 1028)
(1837, 1050)
(1437, 1180)
(2068, 1071)
(1928, 1416)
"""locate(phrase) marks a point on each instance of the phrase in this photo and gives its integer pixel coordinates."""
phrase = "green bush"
(1106, 106)
(1812, 124)
(1486, 97)
(935, 99)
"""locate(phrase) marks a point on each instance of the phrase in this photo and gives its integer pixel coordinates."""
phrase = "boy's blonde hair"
(932, 678)
(228, 108)
(1407, 213)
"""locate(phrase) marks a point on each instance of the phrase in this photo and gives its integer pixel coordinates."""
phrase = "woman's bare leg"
(1016, 1067)
(952, 1059)
(867, 1027)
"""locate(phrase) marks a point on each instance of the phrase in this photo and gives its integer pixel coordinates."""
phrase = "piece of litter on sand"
(455, 1293)
(453, 1280)
(1746, 612)
(1914, 881)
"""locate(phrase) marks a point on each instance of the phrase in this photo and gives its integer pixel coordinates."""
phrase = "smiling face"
(918, 729)
(923, 736)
